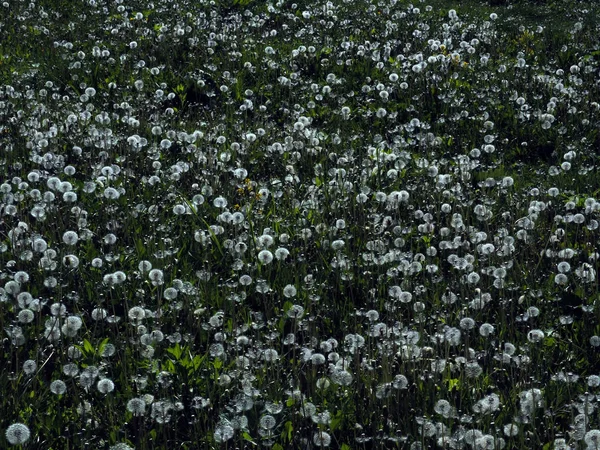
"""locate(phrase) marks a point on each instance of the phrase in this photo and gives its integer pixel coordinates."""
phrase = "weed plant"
(344, 224)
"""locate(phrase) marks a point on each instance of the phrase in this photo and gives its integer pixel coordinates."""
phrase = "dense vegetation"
(344, 224)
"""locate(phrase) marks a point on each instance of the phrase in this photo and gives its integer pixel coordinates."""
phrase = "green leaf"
(88, 347)
(248, 438)
(169, 366)
(453, 383)
(176, 351)
(289, 431)
(102, 346)
(336, 421)
(197, 361)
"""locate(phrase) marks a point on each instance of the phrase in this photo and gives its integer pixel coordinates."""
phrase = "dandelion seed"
(216, 350)
(533, 311)
(21, 277)
(105, 386)
(372, 315)
(39, 245)
(71, 370)
(400, 382)
(593, 381)
(220, 202)
(362, 198)
(58, 387)
(428, 429)
(156, 336)
(509, 349)
(405, 297)
(535, 336)
(223, 433)
(265, 256)
(473, 369)
(295, 312)
(198, 199)
(318, 359)
(111, 193)
(443, 408)
(73, 322)
(561, 279)
(29, 367)
(97, 263)
(71, 261)
(564, 267)
(592, 439)
(17, 433)
(99, 314)
(136, 406)
(25, 316)
(395, 292)
(216, 320)
(452, 336)
(120, 446)
(486, 330)
(473, 278)
(511, 430)
(84, 408)
(267, 422)
(70, 237)
(245, 280)
(337, 245)
(56, 309)
(109, 350)
(170, 293)
(323, 383)
(322, 439)
(485, 442)
(341, 377)
(270, 355)
(289, 291)
(136, 313)
(156, 277)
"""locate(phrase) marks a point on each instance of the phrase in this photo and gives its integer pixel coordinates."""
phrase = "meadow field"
(236, 224)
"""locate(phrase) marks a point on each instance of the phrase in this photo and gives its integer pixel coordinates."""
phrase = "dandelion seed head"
(136, 406)
(223, 433)
(295, 312)
(58, 387)
(322, 439)
(289, 291)
(265, 257)
(105, 386)
(17, 433)
(29, 367)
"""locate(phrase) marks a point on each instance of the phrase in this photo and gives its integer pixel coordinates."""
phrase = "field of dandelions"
(344, 224)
